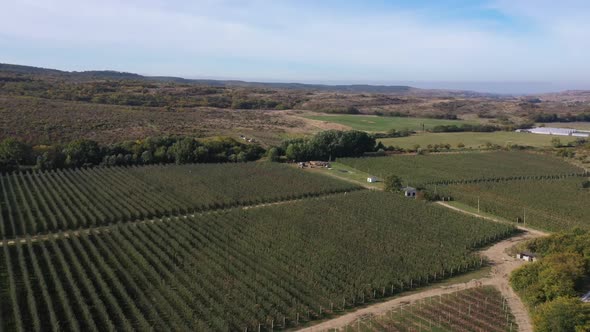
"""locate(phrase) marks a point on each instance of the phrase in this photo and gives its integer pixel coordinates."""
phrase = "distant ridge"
(115, 75)
(83, 76)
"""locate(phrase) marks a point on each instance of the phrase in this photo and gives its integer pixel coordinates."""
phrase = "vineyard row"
(238, 269)
(44, 202)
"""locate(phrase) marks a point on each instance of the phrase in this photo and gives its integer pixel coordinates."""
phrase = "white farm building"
(556, 131)
(410, 192)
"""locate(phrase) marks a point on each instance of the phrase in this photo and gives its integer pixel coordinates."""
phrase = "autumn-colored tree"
(565, 314)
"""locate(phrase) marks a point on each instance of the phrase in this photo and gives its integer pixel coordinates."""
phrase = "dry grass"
(39, 121)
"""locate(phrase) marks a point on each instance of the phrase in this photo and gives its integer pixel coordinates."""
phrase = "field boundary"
(439, 298)
(508, 178)
(502, 266)
(522, 228)
(106, 228)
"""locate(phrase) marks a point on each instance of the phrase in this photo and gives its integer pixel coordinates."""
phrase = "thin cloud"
(395, 44)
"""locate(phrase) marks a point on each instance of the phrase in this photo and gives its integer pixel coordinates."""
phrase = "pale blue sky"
(374, 41)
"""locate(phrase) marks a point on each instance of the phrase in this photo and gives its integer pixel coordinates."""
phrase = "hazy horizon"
(541, 42)
(492, 87)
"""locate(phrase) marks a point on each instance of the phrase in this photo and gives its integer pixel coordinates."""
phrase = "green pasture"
(474, 140)
(375, 123)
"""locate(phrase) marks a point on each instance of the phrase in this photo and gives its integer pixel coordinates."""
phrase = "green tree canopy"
(82, 152)
(329, 144)
(183, 151)
(14, 151)
(393, 183)
(273, 154)
(564, 314)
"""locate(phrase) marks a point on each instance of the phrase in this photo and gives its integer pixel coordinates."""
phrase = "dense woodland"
(551, 286)
(15, 154)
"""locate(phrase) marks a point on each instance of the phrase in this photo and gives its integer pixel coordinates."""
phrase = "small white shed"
(410, 192)
(526, 256)
(372, 179)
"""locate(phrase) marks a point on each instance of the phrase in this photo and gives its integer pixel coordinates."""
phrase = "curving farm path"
(502, 265)
(106, 228)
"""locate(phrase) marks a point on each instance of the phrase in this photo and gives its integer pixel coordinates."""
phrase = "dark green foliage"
(544, 117)
(183, 151)
(82, 153)
(555, 276)
(13, 153)
(562, 315)
(398, 133)
(238, 103)
(339, 110)
(329, 144)
(273, 154)
(465, 128)
(86, 153)
(393, 183)
(551, 285)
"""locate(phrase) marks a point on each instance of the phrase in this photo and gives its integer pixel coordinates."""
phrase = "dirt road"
(502, 266)
(535, 232)
(106, 228)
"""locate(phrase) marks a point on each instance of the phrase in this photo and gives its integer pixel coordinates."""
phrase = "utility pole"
(477, 204)
(524, 215)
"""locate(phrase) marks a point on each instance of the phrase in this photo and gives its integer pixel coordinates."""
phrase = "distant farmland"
(385, 123)
(422, 169)
(474, 140)
(554, 205)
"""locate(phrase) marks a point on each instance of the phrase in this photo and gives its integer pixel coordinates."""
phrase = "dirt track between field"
(106, 228)
(502, 265)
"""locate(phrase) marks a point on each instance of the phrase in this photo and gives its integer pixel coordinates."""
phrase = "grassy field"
(277, 265)
(479, 309)
(348, 173)
(474, 140)
(421, 169)
(574, 125)
(553, 205)
(384, 123)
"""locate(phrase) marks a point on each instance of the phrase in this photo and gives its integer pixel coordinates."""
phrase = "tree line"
(551, 286)
(18, 155)
(480, 128)
(546, 117)
(326, 145)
